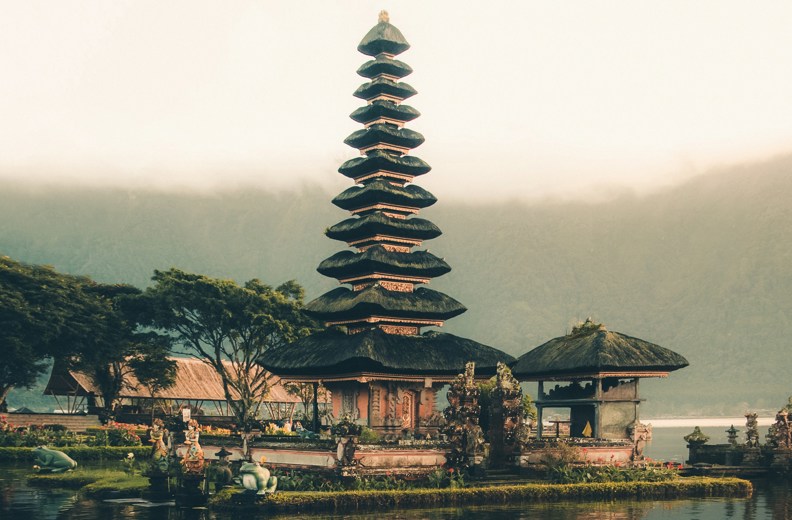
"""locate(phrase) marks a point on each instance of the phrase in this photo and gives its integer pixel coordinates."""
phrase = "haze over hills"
(704, 268)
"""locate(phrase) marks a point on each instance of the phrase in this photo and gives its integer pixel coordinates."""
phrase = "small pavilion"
(197, 386)
(595, 373)
(382, 368)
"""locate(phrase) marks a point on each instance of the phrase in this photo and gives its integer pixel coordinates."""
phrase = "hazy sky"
(519, 99)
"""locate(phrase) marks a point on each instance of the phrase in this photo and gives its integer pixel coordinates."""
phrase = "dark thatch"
(591, 348)
(382, 65)
(332, 352)
(344, 304)
(383, 133)
(357, 228)
(377, 160)
(381, 108)
(380, 86)
(383, 37)
(377, 259)
(382, 191)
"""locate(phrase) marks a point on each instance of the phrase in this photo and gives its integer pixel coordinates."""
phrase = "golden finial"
(383, 16)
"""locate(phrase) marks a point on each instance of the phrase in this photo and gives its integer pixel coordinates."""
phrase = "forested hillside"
(704, 268)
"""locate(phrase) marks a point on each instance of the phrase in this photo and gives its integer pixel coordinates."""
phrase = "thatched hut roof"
(332, 352)
(195, 380)
(384, 192)
(377, 259)
(344, 304)
(377, 223)
(383, 133)
(381, 108)
(379, 160)
(593, 349)
(382, 65)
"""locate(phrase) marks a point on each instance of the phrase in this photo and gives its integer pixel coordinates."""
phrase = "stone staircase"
(503, 477)
(76, 423)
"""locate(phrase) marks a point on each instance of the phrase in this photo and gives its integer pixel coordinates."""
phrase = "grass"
(342, 501)
(93, 483)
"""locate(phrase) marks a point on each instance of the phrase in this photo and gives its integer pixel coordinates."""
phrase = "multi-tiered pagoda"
(382, 368)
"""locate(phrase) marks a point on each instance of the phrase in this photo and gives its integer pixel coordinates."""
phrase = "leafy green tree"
(227, 326)
(49, 315)
(116, 351)
(43, 314)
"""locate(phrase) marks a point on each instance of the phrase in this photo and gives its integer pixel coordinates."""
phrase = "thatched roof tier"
(592, 349)
(358, 228)
(383, 133)
(380, 160)
(377, 259)
(383, 87)
(380, 109)
(384, 65)
(334, 353)
(384, 192)
(342, 304)
(383, 38)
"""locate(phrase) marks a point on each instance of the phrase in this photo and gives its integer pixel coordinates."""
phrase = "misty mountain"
(704, 268)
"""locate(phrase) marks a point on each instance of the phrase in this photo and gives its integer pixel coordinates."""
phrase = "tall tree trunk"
(3, 394)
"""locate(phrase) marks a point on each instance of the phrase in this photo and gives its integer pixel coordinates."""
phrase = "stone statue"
(640, 434)
(732, 435)
(782, 430)
(255, 477)
(193, 461)
(345, 451)
(223, 476)
(52, 461)
(751, 430)
(697, 437)
(159, 449)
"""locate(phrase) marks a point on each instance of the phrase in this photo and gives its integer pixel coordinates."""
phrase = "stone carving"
(223, 476)
(505, 414)
(640, 434)
(782, 430)
(732, 435)
(52, 461)
(697, 437)
(462, 421)
(345, 451)
(193, 461)
(751, 430)
(158, 436)
(255, 477)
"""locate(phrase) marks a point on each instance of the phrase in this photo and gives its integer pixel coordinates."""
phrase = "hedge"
(78, 453)
(341, 501)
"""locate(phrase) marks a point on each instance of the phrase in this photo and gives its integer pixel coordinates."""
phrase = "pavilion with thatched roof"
(597, 372)
(197, 386)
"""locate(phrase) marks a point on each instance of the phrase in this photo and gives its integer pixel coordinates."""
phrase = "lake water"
(771, 500)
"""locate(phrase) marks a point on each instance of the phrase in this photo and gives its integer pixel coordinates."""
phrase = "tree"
(49, 315)
(116, 350)
(305, 393)
(226, 326)
(43, 314)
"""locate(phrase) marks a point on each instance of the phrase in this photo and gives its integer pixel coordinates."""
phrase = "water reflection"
(772, 499)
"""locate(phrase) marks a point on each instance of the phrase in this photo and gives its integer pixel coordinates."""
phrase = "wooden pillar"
(315, 407)
(597, 411)
(540, 427)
